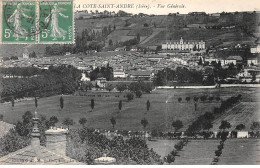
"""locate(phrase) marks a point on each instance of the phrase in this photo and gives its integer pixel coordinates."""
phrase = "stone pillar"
(56, 140)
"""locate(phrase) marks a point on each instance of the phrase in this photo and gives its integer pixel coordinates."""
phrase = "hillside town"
(135, 89)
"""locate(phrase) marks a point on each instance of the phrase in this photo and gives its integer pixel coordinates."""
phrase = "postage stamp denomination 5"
(18, 21)
(56, 21)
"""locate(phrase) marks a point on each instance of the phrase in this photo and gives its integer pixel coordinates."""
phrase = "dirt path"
(155, 32)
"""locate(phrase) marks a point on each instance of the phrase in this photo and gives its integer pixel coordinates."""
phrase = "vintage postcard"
(141, 82)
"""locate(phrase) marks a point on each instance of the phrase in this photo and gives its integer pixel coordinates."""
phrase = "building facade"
(184, 45)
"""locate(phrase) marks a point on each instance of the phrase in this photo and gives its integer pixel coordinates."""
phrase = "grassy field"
(162, 147)
(243, 113)
(197, 152)
(241, 152)
(161, 114)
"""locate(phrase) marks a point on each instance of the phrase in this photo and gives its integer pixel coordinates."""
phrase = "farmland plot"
(241, 152)
(197, 152)
(243, 113)
(162, 147)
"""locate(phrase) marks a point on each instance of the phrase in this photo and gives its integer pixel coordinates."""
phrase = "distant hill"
(154, 30)
(8, 50)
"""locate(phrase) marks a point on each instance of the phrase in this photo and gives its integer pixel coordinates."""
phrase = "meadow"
(164, 108)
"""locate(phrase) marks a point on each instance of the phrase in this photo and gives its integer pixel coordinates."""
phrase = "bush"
(217, 98)
(169, 158)
(218, 152)
(179, 99)
(211, 98)
(216, 110)
(138, 94)
(187, 99)
(195, 99)
(130, 96)
(174, 152)
(220, 147)
(240, 127)
(12, 141)
(178, 146)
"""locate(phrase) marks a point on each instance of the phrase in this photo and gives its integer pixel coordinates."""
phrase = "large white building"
(119, 74)
(255, 49)
(184, 45)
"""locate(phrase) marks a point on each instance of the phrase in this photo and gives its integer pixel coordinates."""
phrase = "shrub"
(217, 98)
(195, 99)
(178, 146)
(218, 152)
(177, 125)
(179, 99)
(130, 96)
(169, 158)
(138, 93)
(174, 152)
(240, 127)
(224, 125)
(211, 98)
(221, 146)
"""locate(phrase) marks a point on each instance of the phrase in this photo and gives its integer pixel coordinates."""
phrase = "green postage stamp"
(37, 21)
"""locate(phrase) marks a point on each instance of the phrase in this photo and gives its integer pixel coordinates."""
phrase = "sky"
(208, 6)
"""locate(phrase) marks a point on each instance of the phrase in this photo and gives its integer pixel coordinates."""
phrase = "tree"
(209, 116)
(194, 48)
(121, 87)
(61, 102)
(82, 121)
(144, 123)
(138, 93)
(53, 121)
(32, 55)
(109, 87)
(178, 146)
(169, 158)
(114, 27)
(217, 98)
(211, 98)
(224, 125)
(67, 122)
(240, 127)
(177, 125)
(174, 152)
(110, 42)
(179, 99)
(130, 96)
(35, 102)
(255, 126)
(218, 152)
(113, 122)
(27, 117)
(147, 105)
(120, 105)
(12, 102)
(207, 125)
(200, 61)
(203, 98)
(92, 104)
(138, 37)
(195, 99)
(187, 99)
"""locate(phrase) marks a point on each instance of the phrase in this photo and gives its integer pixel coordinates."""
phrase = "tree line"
(55, 80)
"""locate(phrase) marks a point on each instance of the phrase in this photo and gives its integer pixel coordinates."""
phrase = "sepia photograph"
(141, 82)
